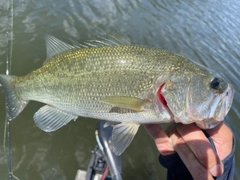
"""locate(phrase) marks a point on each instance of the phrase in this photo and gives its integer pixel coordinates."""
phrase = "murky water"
(205, 31)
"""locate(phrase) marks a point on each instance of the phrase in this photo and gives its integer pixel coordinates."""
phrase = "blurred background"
(205, 31)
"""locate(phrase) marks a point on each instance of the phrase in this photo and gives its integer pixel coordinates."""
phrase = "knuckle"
(179, 144)
(180, 128)
(202, 158)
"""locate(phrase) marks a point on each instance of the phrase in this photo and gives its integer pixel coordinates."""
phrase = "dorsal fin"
(108, 40)
(55, 46)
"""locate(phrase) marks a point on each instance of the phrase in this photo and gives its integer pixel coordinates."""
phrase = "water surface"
(205, 31)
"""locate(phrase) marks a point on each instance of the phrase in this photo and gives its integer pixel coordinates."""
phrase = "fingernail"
(217, 170)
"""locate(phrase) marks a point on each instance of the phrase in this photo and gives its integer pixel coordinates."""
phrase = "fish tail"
(14, 103)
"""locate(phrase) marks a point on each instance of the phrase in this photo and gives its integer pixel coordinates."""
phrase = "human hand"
(193, 147)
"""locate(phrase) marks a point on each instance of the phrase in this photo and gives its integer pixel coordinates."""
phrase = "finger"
(223, 139)
(160, 138)
(196, 169)
(201, 147)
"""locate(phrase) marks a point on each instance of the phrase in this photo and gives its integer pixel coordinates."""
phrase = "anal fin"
(49, 118)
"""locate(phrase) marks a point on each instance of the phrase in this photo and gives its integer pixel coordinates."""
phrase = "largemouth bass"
(114, 80)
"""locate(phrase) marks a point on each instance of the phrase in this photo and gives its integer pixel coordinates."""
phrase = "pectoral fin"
(122, 136)
(133, 103)
(49, 118)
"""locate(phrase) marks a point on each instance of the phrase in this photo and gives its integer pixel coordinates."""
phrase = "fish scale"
(119, 82)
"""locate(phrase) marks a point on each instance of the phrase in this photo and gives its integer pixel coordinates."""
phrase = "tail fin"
(14, 104)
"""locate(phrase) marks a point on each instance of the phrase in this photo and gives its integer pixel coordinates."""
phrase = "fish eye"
(218, 85)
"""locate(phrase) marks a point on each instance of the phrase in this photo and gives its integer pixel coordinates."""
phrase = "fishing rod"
(9, 48)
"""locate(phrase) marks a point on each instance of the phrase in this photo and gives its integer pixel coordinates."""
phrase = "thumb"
(223, 139)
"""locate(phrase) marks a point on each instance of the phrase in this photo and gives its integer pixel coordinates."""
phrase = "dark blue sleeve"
(178, 171)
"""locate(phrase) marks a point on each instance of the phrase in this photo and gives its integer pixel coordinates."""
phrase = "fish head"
(204, 99)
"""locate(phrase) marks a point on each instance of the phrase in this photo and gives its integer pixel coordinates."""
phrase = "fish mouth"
(207, 123)
(223, 104)
(219, 109)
